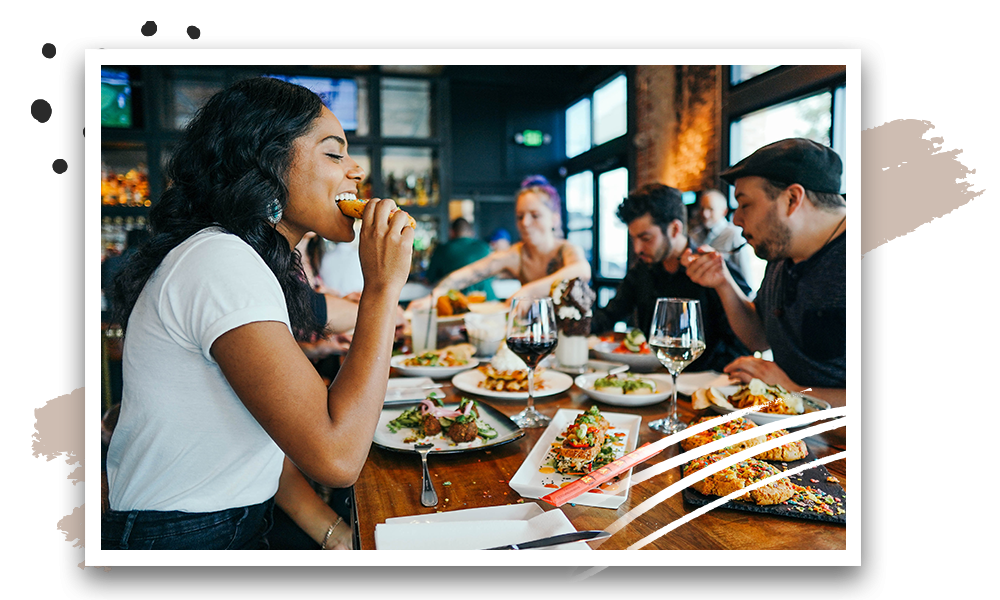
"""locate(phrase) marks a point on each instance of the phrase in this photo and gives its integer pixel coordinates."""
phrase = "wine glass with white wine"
(678, 338)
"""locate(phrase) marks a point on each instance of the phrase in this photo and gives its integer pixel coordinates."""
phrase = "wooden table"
(389, 486)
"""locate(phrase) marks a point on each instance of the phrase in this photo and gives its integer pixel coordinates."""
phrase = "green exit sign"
(532, 137)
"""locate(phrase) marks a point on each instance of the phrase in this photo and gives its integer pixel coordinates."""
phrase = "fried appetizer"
(739, 476)
(731, 427)
(352, 206)
(582, 442)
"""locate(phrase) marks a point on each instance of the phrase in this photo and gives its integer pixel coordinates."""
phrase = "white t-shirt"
(184, 440)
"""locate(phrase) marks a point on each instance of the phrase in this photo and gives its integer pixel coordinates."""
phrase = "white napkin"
(473, 529)
(689, 383)
(402, 389)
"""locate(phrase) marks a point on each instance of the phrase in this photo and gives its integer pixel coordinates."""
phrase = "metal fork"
(428, 496)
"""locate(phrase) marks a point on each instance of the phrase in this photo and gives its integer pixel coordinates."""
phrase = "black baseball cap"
(796, 160)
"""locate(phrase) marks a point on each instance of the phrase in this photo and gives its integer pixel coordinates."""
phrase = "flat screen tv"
(116, 99)
(339, 95)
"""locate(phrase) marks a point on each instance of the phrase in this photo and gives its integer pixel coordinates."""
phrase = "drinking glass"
(678, 338)
(531, 334)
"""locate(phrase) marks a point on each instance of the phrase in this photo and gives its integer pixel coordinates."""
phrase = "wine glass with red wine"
(531, 334)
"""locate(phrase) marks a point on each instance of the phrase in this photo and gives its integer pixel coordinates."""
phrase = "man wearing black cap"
(792, 214)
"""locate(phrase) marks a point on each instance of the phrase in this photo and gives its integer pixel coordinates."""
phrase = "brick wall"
(677, 125)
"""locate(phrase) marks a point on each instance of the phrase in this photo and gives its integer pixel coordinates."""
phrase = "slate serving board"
(815, 478)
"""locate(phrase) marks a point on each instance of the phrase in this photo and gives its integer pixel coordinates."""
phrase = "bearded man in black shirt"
(792, 214)
(657, 224)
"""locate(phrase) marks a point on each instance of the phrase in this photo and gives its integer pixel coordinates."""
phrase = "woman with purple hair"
(541, 258)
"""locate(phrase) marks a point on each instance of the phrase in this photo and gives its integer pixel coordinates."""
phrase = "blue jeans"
(243, 528)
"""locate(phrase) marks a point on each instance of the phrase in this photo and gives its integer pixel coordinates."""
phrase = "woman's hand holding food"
(385, 246)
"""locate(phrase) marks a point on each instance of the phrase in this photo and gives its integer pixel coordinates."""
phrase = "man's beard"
(775, 245)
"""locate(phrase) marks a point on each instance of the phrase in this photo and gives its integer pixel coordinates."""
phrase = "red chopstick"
(596, 478)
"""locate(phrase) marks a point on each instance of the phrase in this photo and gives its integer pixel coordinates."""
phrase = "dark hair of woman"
(227, 171)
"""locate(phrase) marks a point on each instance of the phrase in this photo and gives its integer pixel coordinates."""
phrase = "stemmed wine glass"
(531, 334)
(678, 338)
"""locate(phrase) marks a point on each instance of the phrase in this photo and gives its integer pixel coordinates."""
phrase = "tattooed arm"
(484, 268)
(574, 264)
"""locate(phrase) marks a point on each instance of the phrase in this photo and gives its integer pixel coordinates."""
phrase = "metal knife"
(555, 540)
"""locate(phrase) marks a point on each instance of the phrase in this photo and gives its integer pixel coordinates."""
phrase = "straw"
(599, 476)
(427, 335)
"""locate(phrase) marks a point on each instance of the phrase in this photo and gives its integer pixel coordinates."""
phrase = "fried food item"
(774, 398)
(431, 425)
(355, 207)
(720, 431)
(739, 476)
(795, 450)
(581, 442)
(452, 303)
(508, 381)
(465, 431)
(449, 356)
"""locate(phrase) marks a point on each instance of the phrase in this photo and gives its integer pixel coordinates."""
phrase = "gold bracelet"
(329, 532)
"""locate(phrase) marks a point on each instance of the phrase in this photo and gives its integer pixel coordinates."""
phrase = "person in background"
(111, 265)
(541, 258)
(461, 249)
(657, 224)
(340, 268)
(792, 213)
(339, 312)
(499, 240)
(716, 231)
(222, 413)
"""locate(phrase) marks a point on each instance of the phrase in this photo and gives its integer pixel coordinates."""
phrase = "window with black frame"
(768, 103)
(597, 180)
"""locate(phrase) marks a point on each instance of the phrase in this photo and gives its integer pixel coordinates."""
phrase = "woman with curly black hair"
(216, 390)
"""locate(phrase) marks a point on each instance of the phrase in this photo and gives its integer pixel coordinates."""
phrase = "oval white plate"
(664, 389)
(762, 418)
(555, 383)
(432, 372)
(640, 363)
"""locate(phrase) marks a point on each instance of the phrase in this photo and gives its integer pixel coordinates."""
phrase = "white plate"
(530, 482)
(760, 418)
(507, 431)
(555, 383)
(432, 372)
(664, 389)
(640, 363)
(474, 528)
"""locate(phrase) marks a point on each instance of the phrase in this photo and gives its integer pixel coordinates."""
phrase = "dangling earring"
(275, 210)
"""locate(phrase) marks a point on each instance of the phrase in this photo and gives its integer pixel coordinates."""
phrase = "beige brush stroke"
(907, 180)
(58, 432)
